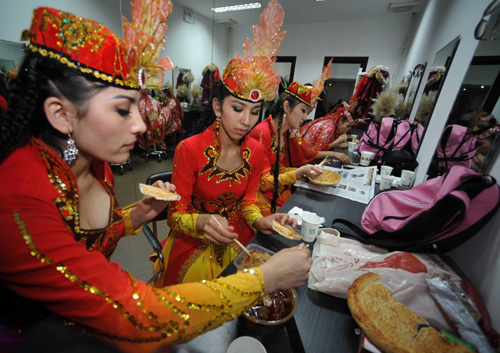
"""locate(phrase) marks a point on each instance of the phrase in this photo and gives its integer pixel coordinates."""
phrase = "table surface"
(322, 323)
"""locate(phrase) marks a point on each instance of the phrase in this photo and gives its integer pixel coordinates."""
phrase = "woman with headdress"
(72, 108)
(171, 110)
(287, 156)
(217, 171)
(329, 131)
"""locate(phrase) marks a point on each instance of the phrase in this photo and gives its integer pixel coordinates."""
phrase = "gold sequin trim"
(97, 74)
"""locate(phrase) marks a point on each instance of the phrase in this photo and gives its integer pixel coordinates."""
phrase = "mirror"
(410, 88)
(476, 108)
(340, 86)
(11, 54)
(286, 69)
(437, 75)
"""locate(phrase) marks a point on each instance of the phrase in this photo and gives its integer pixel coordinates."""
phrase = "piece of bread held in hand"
(390, 325)
(286, 231)
(158, 193)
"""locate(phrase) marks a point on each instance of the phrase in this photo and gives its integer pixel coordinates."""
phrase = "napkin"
(297, 212)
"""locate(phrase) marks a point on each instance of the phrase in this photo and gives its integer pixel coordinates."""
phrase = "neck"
(284, 126)
(226, 141)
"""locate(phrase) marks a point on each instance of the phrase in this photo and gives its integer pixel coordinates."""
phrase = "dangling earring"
(284, 119)
(217, 122)
(71, 151)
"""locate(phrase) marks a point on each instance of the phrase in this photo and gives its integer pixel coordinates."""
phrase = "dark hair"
(38, 79)
(207, 115)
(277, 111)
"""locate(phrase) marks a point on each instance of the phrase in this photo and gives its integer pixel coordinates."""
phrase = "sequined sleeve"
(129, 227)
(41, 261)
(182, 216)
(288, 177)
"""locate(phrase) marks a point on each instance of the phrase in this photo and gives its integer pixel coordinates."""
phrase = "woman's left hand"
(265, 224)
(149, 207)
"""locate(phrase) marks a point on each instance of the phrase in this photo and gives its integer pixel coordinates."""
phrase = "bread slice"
(390, 325)
(158, 193)
(286, 231)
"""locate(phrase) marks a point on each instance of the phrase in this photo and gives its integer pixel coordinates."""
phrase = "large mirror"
(435, 80)
(409, 87)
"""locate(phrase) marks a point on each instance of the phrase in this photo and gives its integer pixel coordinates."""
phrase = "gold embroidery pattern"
(213, 171)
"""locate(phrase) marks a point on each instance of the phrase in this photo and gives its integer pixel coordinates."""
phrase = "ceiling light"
(254, 5)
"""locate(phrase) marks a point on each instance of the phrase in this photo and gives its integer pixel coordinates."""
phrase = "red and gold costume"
(208, 189)
(320, 133)
(293, 150)
(51, 265)
(156, 117)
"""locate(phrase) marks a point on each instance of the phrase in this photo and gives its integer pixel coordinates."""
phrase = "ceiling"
(301, 11)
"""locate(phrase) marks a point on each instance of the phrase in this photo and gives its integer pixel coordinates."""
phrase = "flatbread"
(327, 178)
(344, 145)
(286, 231)
(158, 193)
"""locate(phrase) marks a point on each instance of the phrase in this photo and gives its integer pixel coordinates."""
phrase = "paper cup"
(328, 236)
(385, 182)
(310, 226)
(366, 158)
(385, 170)
(352, 146)
(246, 344)
(407, 177)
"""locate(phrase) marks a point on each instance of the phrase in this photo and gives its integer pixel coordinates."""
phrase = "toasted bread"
(390, 325)
(327, 178)
(158, 193)
(286, 231)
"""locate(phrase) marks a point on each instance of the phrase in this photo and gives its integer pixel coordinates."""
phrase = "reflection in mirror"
(415, 78)
(475, 113)
(286, 70)
(437, 75)
(11, 54)
(340, 86)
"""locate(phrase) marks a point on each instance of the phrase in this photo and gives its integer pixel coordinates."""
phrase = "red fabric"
(156, 122)
(3, 104)
(361, 102)
(320, 133)
(209, 79)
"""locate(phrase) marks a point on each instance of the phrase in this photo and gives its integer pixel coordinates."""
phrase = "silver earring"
(284, 119)
(71, 151)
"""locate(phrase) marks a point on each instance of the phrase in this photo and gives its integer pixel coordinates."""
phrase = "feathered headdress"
(319, 83)
(308, 95)
(251, 76)
(385, 104)
(145, 37)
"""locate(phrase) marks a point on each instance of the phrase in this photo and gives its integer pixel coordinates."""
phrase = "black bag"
(400, 160)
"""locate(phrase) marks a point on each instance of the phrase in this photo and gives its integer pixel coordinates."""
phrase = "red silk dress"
(51, 266)
(207, 189)
(156, 120)
(293, 150)
(320, 133)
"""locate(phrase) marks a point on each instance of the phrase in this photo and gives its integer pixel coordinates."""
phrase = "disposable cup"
(310, 226)
(385, 182)
(246, 344)
(407, 177)
(385, 170)
(366, 158)
(352, 146)
(328, 236)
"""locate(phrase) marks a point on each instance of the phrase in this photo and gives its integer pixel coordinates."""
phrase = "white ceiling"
(300, 11)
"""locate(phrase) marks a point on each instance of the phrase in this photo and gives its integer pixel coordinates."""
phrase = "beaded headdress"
(308, 95)
(91, 48)
(251, 76)
(479, 116)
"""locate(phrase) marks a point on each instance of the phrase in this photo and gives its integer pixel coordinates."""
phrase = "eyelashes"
(122, 112)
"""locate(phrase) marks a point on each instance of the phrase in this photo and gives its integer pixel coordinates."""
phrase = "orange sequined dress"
(207, 189)
(51, 266)
(294, 153)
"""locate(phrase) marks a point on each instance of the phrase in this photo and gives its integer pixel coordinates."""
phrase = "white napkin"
(297, 212)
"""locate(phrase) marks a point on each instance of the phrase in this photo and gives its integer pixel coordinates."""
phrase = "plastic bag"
(335, 267)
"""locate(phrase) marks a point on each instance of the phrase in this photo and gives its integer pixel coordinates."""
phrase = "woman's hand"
(341, 157)
(309, 170)
(216, 229)
(149, 207)
(265, 224)
(287, 269)
(340, 140)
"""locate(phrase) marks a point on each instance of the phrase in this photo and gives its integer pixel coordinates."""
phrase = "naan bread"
(158, 193)
(286, 231)
(327, 178)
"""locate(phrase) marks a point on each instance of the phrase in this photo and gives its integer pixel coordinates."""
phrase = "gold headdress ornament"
(251, 76)
(145, 37)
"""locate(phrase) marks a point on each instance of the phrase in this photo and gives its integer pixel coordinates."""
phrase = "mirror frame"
(288, 59)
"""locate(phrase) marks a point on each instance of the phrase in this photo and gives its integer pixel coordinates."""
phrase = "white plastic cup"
(407, 177)
(352, 146)
(385, 182)
(353, 138)
(385, 170)
(310, 226)
(328, 236)
(366, 158)
(246, 344)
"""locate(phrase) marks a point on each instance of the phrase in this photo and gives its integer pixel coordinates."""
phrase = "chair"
(152, 236)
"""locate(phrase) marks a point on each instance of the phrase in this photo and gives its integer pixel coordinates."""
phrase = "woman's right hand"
(216, 229)
(309, 170)
(340, 140)
(287, 269)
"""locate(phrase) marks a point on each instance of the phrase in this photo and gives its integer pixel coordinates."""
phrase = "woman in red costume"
(217, 171)
(329, 131)
(288, 157)
(71, 110)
